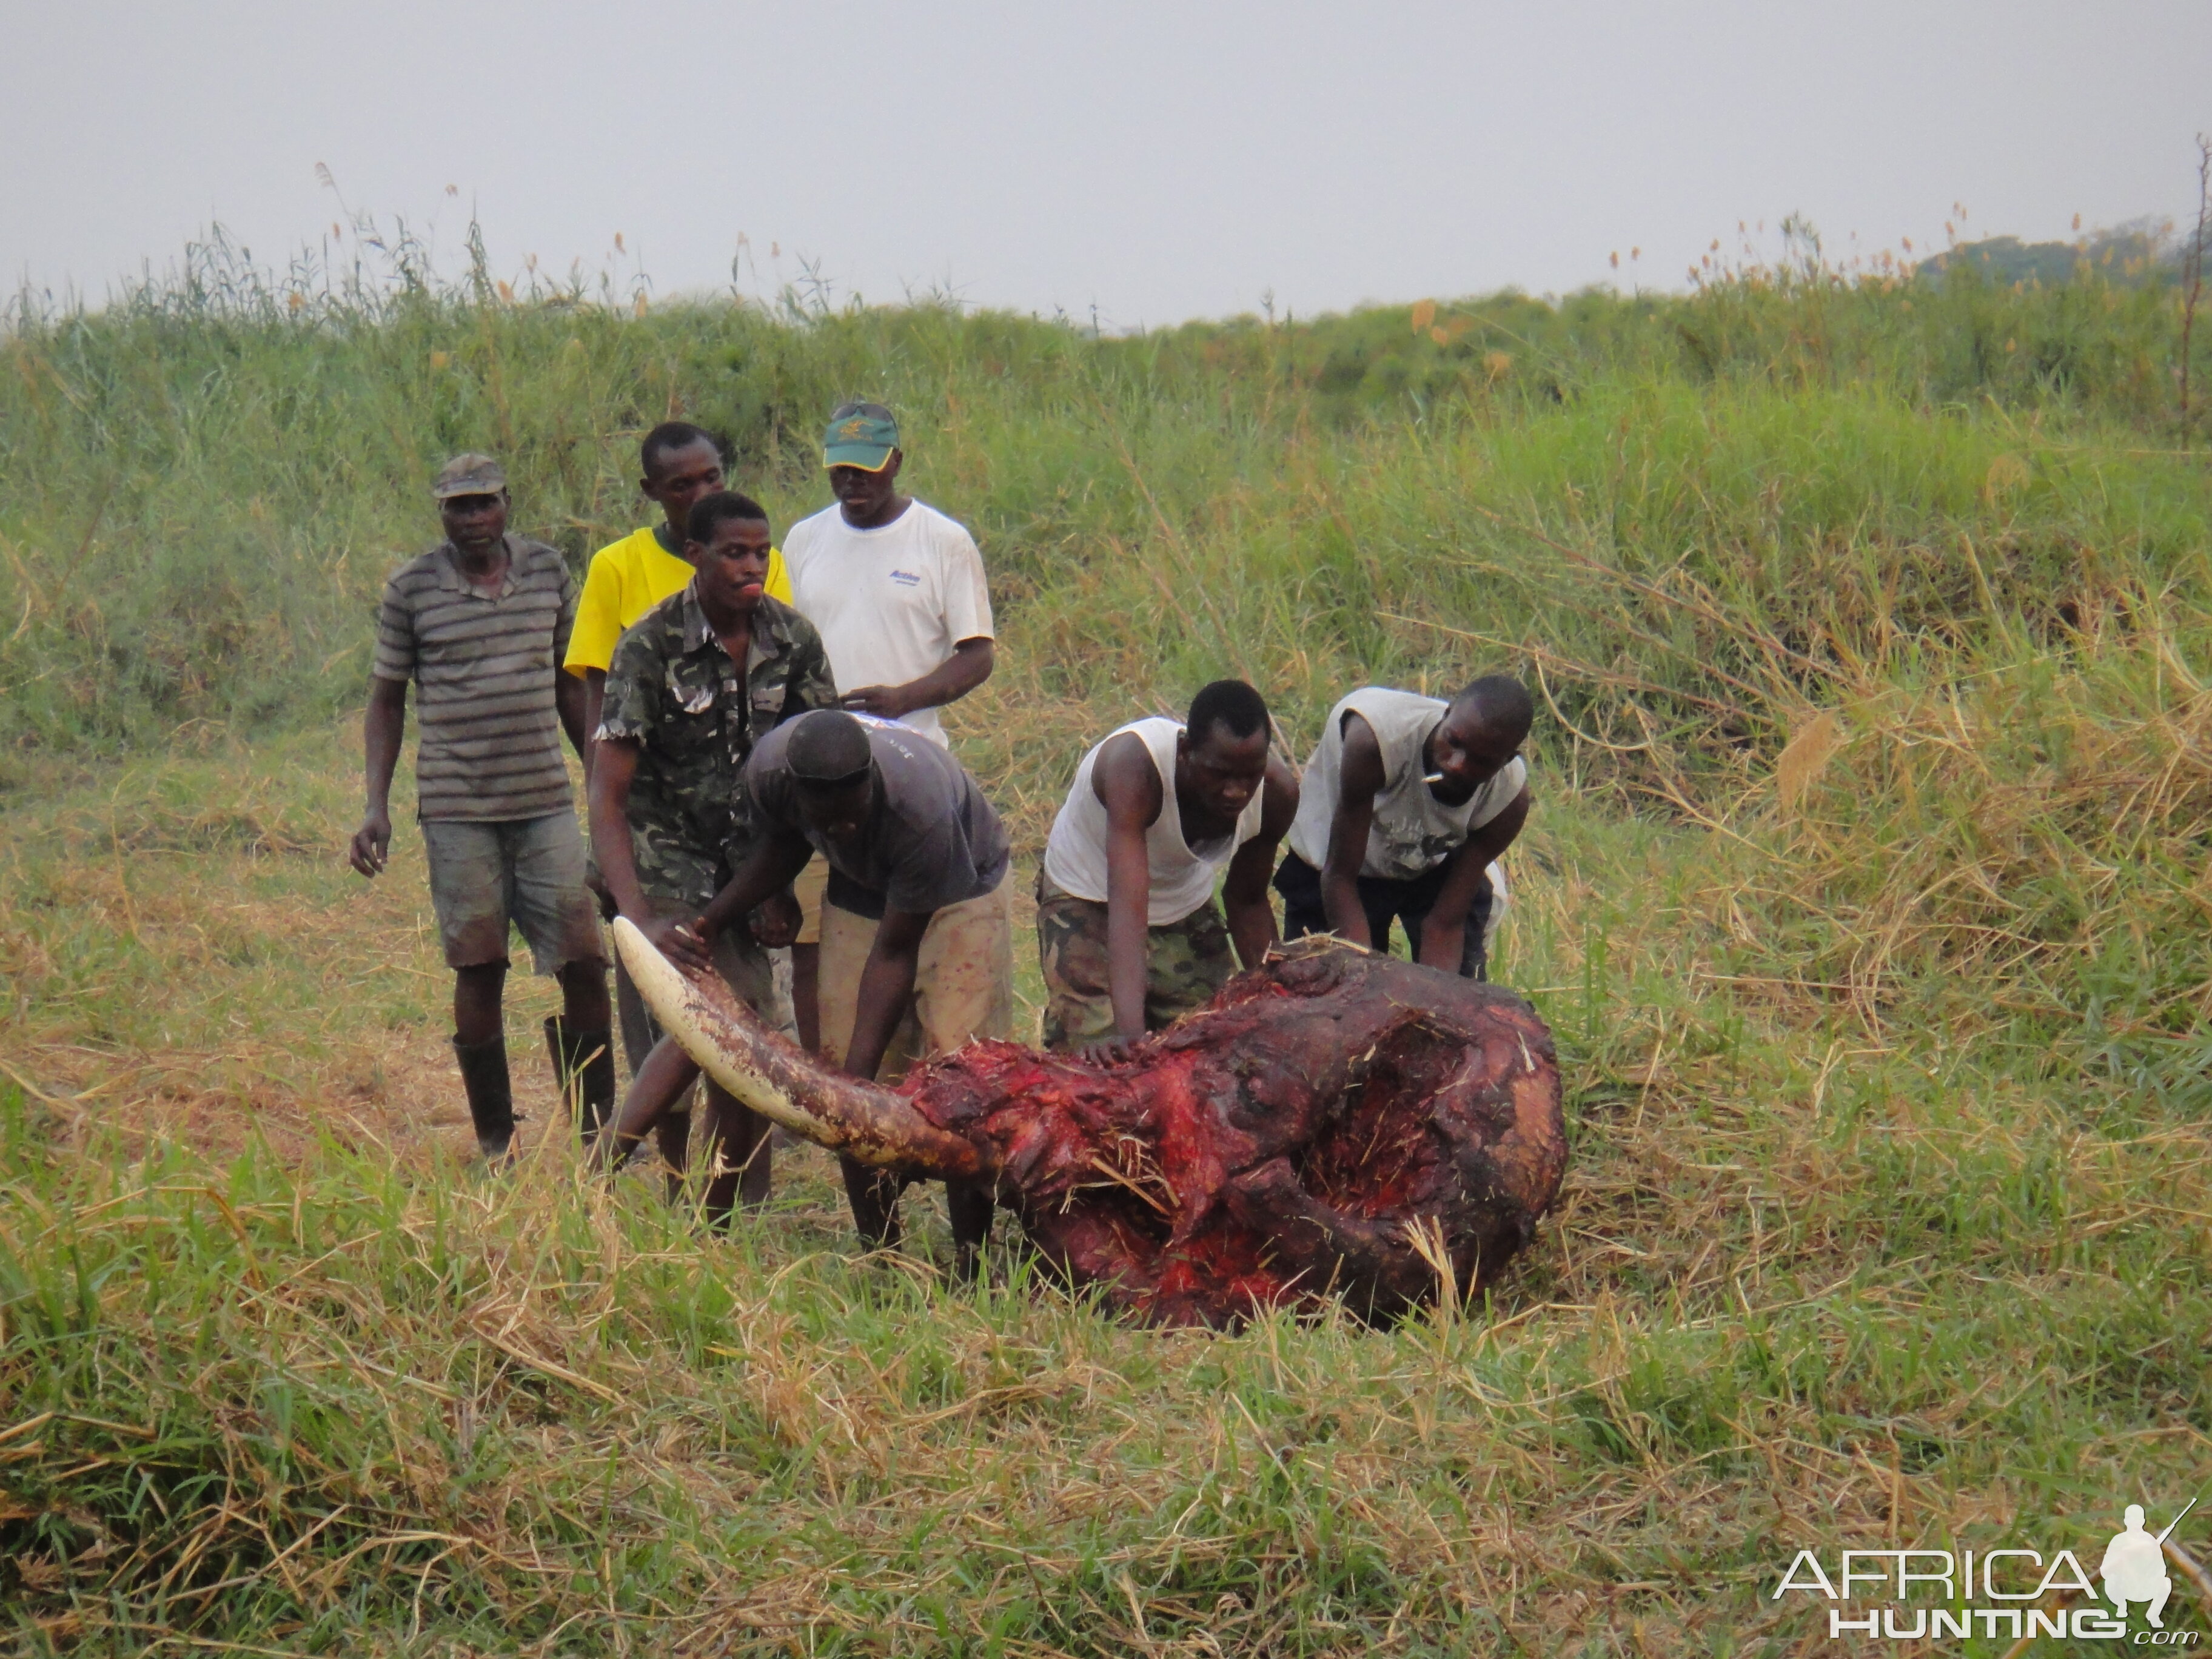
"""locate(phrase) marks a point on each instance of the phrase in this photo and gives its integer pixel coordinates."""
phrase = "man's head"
(682, 463)
(1221, 758)
(830, 763)
(2135, 1517)
(861, 449)
(726, 539)
(471, 491)
(1481, 730)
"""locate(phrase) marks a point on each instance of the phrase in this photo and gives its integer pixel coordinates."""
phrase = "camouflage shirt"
(672, 690)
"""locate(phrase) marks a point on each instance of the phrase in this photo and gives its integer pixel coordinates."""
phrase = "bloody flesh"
(1337, 1123)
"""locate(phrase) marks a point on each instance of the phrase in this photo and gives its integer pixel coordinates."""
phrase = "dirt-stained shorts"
(1186, 962)
(528, 872)
(809, 887)
(963, 982)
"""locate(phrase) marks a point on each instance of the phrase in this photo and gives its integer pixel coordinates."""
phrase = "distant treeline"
(2146, 253)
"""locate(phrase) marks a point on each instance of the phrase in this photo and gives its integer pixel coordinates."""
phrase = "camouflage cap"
(469, 475)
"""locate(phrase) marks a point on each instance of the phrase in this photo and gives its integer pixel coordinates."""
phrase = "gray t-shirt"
(484, 667)
(931, 839)
(1411, 831)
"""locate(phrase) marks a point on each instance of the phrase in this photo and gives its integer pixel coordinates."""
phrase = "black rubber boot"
(583, 1071)
(874, 1196)
(491, 1100)
(969, 1203)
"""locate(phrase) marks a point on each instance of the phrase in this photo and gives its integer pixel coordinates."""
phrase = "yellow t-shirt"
(626, 580)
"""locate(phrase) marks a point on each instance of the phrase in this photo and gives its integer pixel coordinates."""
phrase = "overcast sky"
(1157, 159)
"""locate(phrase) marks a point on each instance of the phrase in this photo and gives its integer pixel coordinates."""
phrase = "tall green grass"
(207, 482)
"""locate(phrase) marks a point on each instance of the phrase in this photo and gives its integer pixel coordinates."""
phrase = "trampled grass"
(1865, 895)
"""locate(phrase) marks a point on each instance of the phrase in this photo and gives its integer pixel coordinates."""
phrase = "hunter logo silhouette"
(2134, 1567)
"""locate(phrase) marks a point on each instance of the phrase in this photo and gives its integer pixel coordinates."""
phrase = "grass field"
(1866, 893)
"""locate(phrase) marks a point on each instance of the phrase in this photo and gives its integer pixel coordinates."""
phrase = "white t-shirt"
(890, 603)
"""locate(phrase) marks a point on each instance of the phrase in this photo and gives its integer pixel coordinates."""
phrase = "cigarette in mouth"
(1434, 777)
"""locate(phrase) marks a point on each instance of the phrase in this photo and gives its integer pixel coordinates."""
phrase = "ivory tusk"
(781, 1081)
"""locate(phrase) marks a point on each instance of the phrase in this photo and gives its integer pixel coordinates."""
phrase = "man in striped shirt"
(479, 624)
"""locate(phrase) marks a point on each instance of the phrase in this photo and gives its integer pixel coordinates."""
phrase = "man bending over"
(915, 924)
(1406, 803)
(1128, 931)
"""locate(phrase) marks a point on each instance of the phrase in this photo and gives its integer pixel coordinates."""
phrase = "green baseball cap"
(862, 435)
(469, 475)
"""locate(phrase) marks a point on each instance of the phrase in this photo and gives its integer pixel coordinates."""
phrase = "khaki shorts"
(964, 984)
(811, 884)
(524, 873)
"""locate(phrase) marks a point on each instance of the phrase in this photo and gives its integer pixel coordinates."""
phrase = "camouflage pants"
(1186, 962)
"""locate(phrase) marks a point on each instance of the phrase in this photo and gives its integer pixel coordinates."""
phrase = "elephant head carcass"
(1336, 1123)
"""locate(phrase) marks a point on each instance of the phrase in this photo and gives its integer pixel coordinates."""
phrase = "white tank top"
(1182, 875)
(1412, 831)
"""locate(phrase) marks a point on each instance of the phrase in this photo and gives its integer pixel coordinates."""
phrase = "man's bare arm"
(382, 728)
(606, 795)
(1128, 784)
(1360, 779)
(595, 700)
(568, 704)
(1249, 912)
(1444, 934)
(886, 988)
(968, 667)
